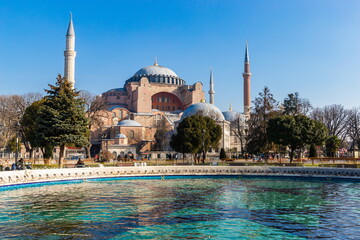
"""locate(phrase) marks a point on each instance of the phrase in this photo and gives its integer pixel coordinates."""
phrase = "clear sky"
(306, 46)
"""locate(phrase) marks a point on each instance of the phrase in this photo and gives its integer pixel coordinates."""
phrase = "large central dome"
(156, 70)
(157, 74)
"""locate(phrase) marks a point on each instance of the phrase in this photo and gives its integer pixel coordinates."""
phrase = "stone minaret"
(211, 91)
(247, 76)
(70, 54)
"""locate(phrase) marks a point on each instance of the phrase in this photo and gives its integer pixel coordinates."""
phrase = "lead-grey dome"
(129, 123)
(203, 109)
(156, 70)
(157, 74)
(231, 115)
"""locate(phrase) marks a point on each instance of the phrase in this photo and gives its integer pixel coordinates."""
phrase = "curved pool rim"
(188, 176)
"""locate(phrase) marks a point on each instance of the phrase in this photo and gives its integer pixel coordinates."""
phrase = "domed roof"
(121, 136)
(156, 70)
(203, 109)
(129, 123)
(231, 115)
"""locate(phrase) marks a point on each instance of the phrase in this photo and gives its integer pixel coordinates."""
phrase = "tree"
(160, 135)
(12, 108)
(332, 145)
(294, 105)
(265, 107)
(222, 154)
(106, 156)
(239, 129)
(11, 145)
(335, 117)
(62, 120)
(29, 125)
(353, 127)
(95, 107)
(196, 134)
(295, 132)
(312, 151)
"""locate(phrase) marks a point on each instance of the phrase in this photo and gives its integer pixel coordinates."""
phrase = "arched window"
(166, 101)
(131, 134)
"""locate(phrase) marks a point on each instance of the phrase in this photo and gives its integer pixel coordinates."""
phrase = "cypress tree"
(312, 151)
(222, 154)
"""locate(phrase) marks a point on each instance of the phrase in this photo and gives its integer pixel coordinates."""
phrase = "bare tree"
(353, 126)
(239, 129)
(95, 112)
(335, 118)
(12, 108)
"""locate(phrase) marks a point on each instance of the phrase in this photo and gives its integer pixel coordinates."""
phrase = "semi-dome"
(158, 74)
(129, 123)
(203, 109)
(231, 115)
(120, 135)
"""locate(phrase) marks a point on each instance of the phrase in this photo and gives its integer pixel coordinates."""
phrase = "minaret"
(70, 54)
(247, 76)
(211, 91)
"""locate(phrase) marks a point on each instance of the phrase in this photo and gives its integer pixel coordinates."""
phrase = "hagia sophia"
(154, 98)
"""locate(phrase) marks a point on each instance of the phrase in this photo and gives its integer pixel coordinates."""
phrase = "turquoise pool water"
(203, 208)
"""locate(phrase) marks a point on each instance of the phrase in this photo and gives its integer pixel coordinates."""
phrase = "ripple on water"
(183, 209)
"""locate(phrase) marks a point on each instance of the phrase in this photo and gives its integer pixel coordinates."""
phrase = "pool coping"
(25, 178)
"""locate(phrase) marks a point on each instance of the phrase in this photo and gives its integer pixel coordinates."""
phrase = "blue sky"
(306, 46)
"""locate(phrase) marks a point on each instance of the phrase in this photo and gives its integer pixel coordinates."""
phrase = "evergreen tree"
(62, 120)
(29, 127)
(332, 145)
(294, 105)
(312, 151)
(222, 154)
(265, 107)
(196, 134)
(296, 132)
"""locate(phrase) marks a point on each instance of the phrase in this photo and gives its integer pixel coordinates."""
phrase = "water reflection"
(187, 208)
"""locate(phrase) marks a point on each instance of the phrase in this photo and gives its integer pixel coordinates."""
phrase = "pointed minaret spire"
(211, 91)
(70, 31)
(247, 58)
(247, 76)
(70, 54)
(230, 107)
(156, 62)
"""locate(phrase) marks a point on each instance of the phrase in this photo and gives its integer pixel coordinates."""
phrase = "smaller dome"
(231, 115)
(203, 109)
(121, 136)
(129, 123)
